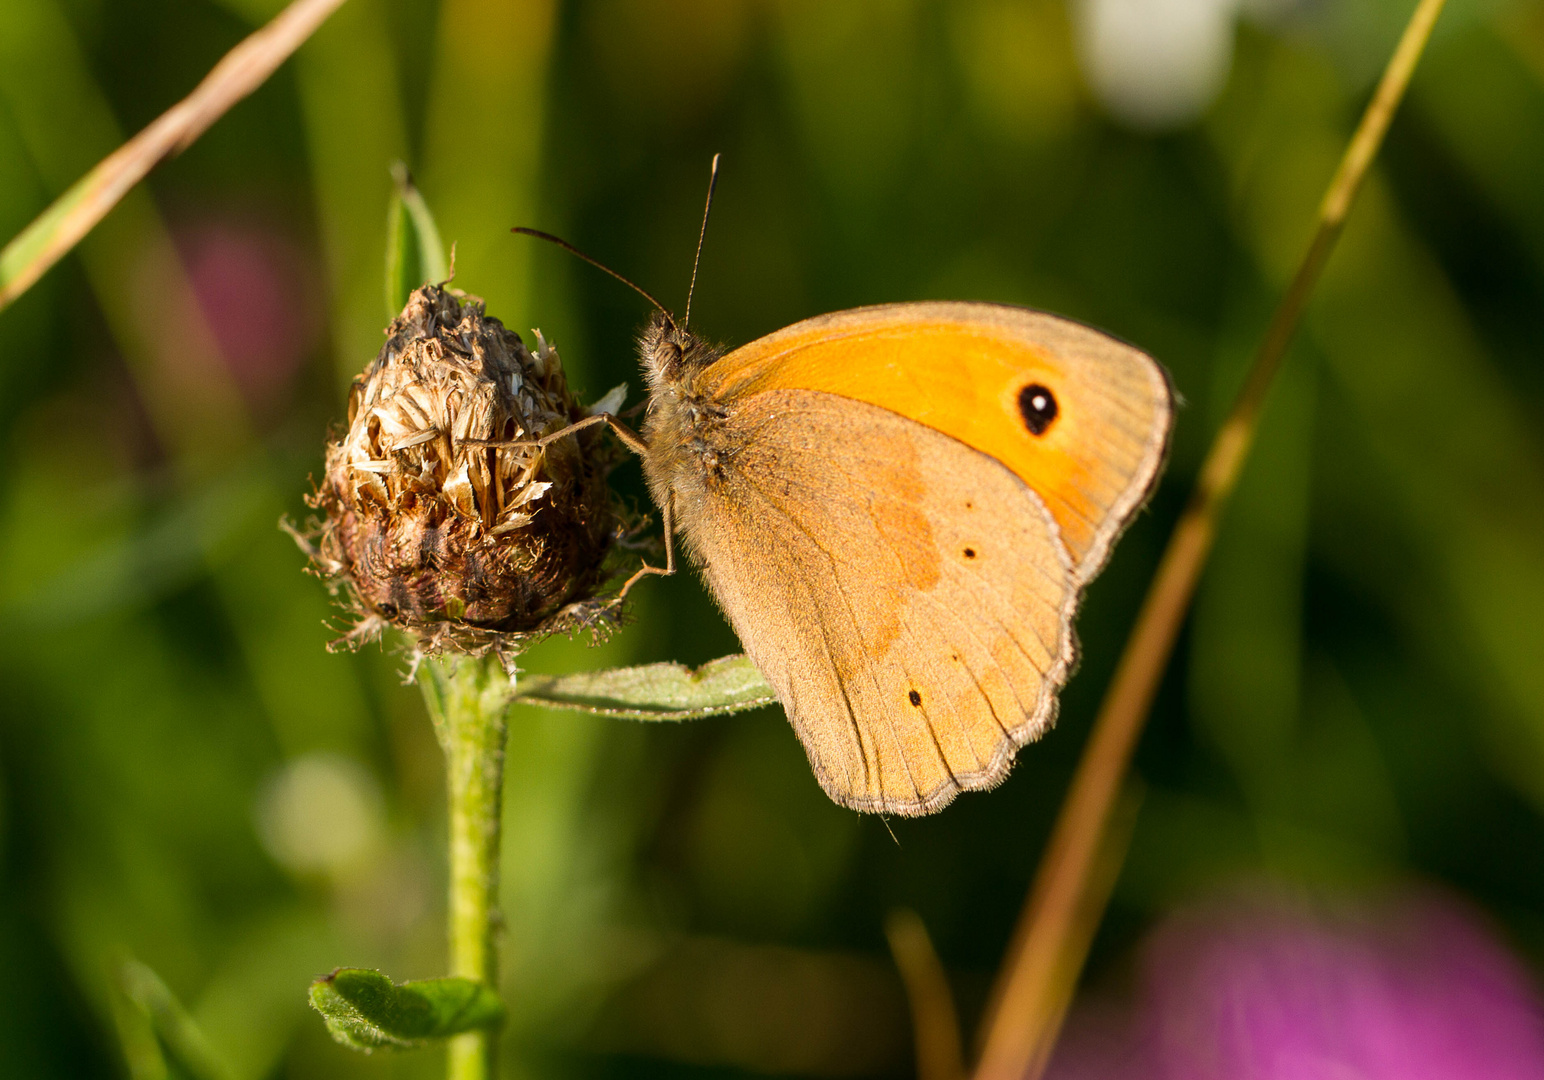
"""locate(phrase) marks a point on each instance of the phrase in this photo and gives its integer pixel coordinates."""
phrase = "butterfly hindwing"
(906, 595)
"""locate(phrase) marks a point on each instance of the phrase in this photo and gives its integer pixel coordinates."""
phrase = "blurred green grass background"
(187, 777)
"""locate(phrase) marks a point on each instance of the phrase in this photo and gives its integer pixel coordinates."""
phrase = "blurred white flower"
(1155, 64)
(320, 813)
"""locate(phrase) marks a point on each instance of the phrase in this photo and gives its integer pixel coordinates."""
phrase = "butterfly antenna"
(566, 246)
(706, 210)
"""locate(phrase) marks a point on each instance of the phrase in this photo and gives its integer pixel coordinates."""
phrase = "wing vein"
(836, 668)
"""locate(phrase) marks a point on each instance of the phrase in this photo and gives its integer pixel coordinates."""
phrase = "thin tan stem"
(934, 1021)
(1058, 969)
(75, 213)
(1033, 987)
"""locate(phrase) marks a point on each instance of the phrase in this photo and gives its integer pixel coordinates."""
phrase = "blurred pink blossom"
(254, 288)
(1267, 989)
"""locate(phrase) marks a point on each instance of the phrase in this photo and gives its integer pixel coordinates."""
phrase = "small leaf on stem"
(433, 269)
(415, 254)
(398, 257)
(365, 1010)
(655, 691)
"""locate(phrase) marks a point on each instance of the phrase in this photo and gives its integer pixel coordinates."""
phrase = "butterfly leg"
(630, 439)
(634, 442)
(669, 568)
(626, 435)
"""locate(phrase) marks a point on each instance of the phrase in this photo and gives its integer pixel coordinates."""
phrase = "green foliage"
(366, 1011)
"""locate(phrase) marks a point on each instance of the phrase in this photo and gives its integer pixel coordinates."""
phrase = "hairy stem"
(468, 700)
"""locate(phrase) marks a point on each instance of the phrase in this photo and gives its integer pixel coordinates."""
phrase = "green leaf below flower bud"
(655, 691)
(365, 1010)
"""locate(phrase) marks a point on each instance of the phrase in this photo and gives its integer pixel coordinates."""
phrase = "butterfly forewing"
(1081, 418)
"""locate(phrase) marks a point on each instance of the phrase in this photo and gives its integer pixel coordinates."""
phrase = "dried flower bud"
(429, 527)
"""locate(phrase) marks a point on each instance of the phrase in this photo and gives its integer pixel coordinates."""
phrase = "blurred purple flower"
(254, 289)
(1263, 989)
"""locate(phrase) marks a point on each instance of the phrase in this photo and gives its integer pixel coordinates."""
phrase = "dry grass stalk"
(934, 1021)
(75, 213)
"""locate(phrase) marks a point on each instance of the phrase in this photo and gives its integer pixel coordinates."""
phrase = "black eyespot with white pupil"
(1038, 407)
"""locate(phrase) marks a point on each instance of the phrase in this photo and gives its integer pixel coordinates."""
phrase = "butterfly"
(898, 508)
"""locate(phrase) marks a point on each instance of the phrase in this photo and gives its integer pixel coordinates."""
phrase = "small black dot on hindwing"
(1037, 405)
(970, 553)
(915, 698)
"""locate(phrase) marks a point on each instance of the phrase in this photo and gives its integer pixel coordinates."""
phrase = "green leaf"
(431, 249)
(414, 256)
(365, 1010)
(655, 691)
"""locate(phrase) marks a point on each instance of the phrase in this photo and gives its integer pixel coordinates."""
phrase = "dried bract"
(429, 525)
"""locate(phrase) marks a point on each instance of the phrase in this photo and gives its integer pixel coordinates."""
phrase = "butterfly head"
(670, 352)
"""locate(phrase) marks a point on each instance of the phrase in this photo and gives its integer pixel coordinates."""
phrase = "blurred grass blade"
(155, 1021)
(655, 691)
(1048, 947)
(137, 1040)
(75, 213)
(365, 1010)
(934, 1020)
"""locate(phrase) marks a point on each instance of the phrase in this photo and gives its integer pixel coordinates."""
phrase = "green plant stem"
(469, 700)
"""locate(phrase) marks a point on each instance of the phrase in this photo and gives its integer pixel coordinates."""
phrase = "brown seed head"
(432, 526)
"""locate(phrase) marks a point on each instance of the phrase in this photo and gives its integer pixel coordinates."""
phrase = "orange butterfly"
(898, 508)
